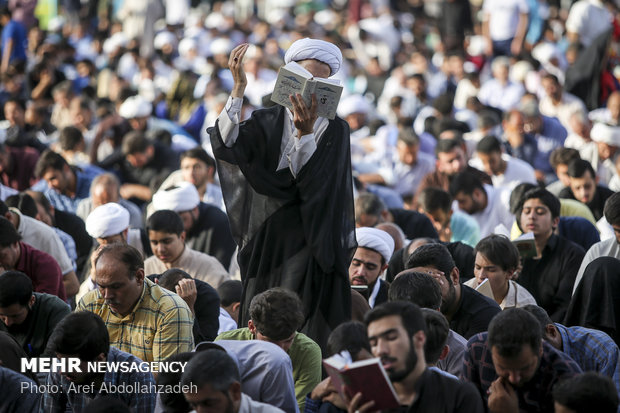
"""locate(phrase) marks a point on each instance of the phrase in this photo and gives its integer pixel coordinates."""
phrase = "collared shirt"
(69, 398)
(535, 395)
(593, 350)
(305, 356)
(250, 406)
(496, 212)
(568, 105)
(17, 392)
(404, 178)
(597, 204)
(42, 270)
(84, 177)
(517, 295)
(226, 322)
(550, 279)
(517, 171)
(501, 96)
(474, 313)
(453, 363)
(159, 326)
(606, 248)
(197, 264)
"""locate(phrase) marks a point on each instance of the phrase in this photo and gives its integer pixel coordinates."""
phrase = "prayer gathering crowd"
(459, 219)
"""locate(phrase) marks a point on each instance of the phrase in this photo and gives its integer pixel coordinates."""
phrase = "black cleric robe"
(292, 232)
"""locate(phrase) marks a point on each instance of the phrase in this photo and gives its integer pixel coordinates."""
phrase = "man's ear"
(444, 352)
(551, 331)
(454, 276)
(235, 307)
(140, 275)
(182, 236)
(419, 339)
(234, 390)
(252, 327)
(101, 357)
(31, 301)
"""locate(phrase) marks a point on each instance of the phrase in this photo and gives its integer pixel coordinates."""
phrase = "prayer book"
(526, 245)
(293, 79)
(484, 288)
(365, 376)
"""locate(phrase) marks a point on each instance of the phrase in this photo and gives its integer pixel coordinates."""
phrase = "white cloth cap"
(107, 220)
(135, 107)
(221, 46)
(114, 42)
(605, 134)
(320, 50)
(164, 38)
(377, 240)
(353, 104)
(183, 197)
(186, 45)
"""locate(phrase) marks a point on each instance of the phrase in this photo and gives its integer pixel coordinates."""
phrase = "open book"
(365, 376)
(293, 79)
(526, 245)
(484, 288)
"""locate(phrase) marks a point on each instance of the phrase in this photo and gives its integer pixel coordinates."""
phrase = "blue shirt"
(552, 136)
(17, 32)
(464, 228)
(84, 178)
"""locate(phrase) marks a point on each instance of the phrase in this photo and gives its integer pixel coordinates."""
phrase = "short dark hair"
(277, 313)
(24, 203)
(410, 315)
(15, 288)
(465, 182)
(166, 221)
(8, 233)
(416, 287)
(577, 168)
(562, 156)
(551, 77)
(511, 329)
(69, 138)
(108, 404)
(49, 160)
(516, 196)
(128, 255)
(41, 199)
(170, 278)
(230, 292)
(489, 144)
(350, 336)
(499, 250)
(434, 255)
(211, 367)
(408, 137)
(541, 316)
(444, 103)
(432, 199)
(369, 204)
(437, 331)
(546, 197)
(81, 333)
(612, 209)
(135, 142)
(587, 392)
(174, 402)
(447, 145)
(200, 154)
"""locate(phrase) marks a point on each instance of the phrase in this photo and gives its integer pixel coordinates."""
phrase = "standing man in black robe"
(287, 186)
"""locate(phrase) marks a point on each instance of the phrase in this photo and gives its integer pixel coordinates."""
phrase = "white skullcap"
(375, 239)
(107, 220)
(135, 107)
(164, 38)
(186, 45)
(320, 50)
(221, 46)
(114, 42)
(353, 104)
(605, 134)
(183, 197)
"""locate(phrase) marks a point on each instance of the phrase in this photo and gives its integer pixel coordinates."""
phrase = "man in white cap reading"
(374, 250)
(287, 186)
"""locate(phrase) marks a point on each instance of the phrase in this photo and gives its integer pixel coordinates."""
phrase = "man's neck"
(406, 388)
(451, 311)
(172, 263)
(72, 187)
(541, 243)
(503, 165)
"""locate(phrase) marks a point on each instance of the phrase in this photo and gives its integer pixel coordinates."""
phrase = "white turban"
(320, 50)
(353, 104)
(605, 134)
(183, 197)
(107, 220)
(375, 239)
(135, 107)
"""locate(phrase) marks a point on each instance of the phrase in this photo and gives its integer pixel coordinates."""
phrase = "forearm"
(522, 27)
(136, 191)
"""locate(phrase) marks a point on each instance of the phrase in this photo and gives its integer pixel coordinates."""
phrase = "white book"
(293, 79)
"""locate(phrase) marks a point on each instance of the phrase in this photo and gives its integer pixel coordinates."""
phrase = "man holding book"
(286, 181)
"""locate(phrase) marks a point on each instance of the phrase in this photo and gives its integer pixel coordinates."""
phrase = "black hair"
(546, 197)
(500, 251)
(171, 401)
(416, 287)
(40, 198)
(350, 336)
(437, 331)
(541, 316)
(444, 104)
(211, 367)
(49, 160)
(432, 255)
(447, 145)
(511, 329)
(230, 292)
(408, 137)
(69, 138)
(587, 392)
(488, 145)
(3, 208)
(552, 77)
(135, 142)
(15, 288)
(24, 203)
(277, 313)
(8, 233)
(516, 196)
(432, 199)
(563, 156)
(368, 204)
(410, 315)
(199, 153)
(21, 103)
(577, 168)
(128, 255)
(170, 278)
(465, 182)
(82, 334)
(612, 209)
(166, 221)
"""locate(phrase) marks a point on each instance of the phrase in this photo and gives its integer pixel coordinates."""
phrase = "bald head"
(104, 189)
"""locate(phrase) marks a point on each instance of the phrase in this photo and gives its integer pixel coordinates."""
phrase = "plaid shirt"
(68, 398)
(535, 395)
(159, 326)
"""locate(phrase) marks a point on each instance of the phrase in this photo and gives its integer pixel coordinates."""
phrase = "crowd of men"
(156, 206)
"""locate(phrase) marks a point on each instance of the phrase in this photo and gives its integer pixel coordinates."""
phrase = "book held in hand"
(365, 376)
(526, 245)
(293, 79)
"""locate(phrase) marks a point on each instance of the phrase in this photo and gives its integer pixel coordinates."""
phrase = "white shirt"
(588, 18)
(517, 295)
(496, 212)
(517, 171)
(250, 406)
(606, 248)
(568, 105)
(405, 179)
(503, 16)
(226, 322)
(504, 97)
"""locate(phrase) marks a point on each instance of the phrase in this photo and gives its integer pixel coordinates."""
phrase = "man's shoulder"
(50, 303)
(557, 363)
(305, 344)
(475, 302)
(238, 334)
(161, 299)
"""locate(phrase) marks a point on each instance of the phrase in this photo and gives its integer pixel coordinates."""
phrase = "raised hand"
(235, 64)
(304, 117)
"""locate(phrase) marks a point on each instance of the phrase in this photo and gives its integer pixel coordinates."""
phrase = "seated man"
(230, 301)
(142, 318)
(167, 238)
(206, 226)
(84, 335)
(512, 367)
(275, 316)
(40, 267)
(214, 383)
(583, 187)
(592, 349)
(549, 276)
(436, 347)
(587, 392)
(28, 316)
(468, 311)
(17, 167)
(396, 334)
(374, 250)
(559, 159)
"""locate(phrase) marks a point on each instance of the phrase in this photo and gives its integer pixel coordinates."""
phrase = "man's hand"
(502, 397)
(353, 405)
(304, 117)
(186, 289)
(235, 64)
(326, 392)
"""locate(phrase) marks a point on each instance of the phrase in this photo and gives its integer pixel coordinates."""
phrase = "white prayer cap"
(186, 45)
(164, 38)
(107, 220)
(605, 134)
(377, 240)
(353, 104)
(117, 40)
(135, 107)
(221, 46)
(320, 50)
(183, 197)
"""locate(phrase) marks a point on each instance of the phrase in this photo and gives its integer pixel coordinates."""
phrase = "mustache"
(360, 278)
(387, 360)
